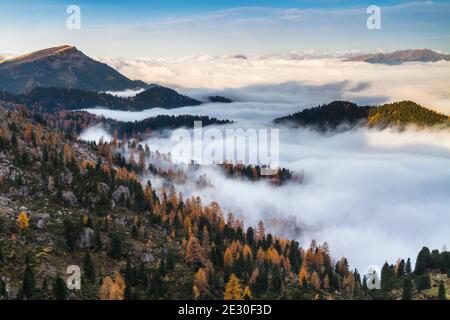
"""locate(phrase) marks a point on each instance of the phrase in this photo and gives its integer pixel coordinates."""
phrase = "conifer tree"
(23, 221)
(228, 259)
(200, 281)
(28, 283)
(408, 268)
(401, 268)
(97, 238)
(115, 249)
(441, 293)
(134, 232)
(233, 289)
(247, 294)
(59, 289)
(2, 288)
(276, 280)
(70, 234)
(262, 282)
(44, 289)
(423, 282)
(315, 280)
(407, 289)
(302, 275)
(88, 266)
(422, 262)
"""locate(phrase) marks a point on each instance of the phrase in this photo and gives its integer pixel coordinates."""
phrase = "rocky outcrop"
(86, 239)
(69, 198)
(102, 187)
(121, 193)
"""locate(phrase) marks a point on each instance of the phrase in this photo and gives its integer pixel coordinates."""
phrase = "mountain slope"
(67, 202)
(402, 56)
(62, 66)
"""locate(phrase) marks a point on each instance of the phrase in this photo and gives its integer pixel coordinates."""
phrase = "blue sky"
(138, 28)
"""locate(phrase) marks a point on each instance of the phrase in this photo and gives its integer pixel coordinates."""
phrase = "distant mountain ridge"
(51, 98)
(64, 67)
(344, 114)
(402, 56)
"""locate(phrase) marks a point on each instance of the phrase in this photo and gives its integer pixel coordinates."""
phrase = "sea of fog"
(372, 195)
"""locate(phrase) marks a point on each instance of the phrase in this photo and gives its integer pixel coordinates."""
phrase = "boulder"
(86, 239)
(5, 202)
(147, 257)
(51, 184)
(69, 198)
(40, 224)
(121, 192)
(102, 187)
(43, 216)
(23, 209)
(21, 191)
(4, 172)
(66, 177)
(93, 198)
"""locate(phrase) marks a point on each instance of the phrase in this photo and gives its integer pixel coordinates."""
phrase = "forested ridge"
(344, 114)
(54, 98)
(75, 122)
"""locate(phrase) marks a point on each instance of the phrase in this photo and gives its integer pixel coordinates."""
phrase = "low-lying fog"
(295, 79)
(372, 195)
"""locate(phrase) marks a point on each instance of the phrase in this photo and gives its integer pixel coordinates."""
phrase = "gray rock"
(102, 187)
(147, 257)
(93, 198)
(22, 191)
(4, 172)
(120, 221)
(40, 224)
(37, 165)
(66, 177)
(86, 239)
(5, 202)
(42, 216)
(69, 198)
(51, 184)
(121, 192)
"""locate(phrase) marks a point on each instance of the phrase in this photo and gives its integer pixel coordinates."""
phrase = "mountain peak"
(63, 67)
(401, 56)
(40, 54)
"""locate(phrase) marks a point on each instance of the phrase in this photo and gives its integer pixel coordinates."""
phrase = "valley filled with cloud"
(372, 194)
(296, 78)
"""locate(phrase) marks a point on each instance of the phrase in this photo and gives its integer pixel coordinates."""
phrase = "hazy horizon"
(177, 28)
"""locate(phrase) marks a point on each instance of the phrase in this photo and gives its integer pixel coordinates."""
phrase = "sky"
(138, 28)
